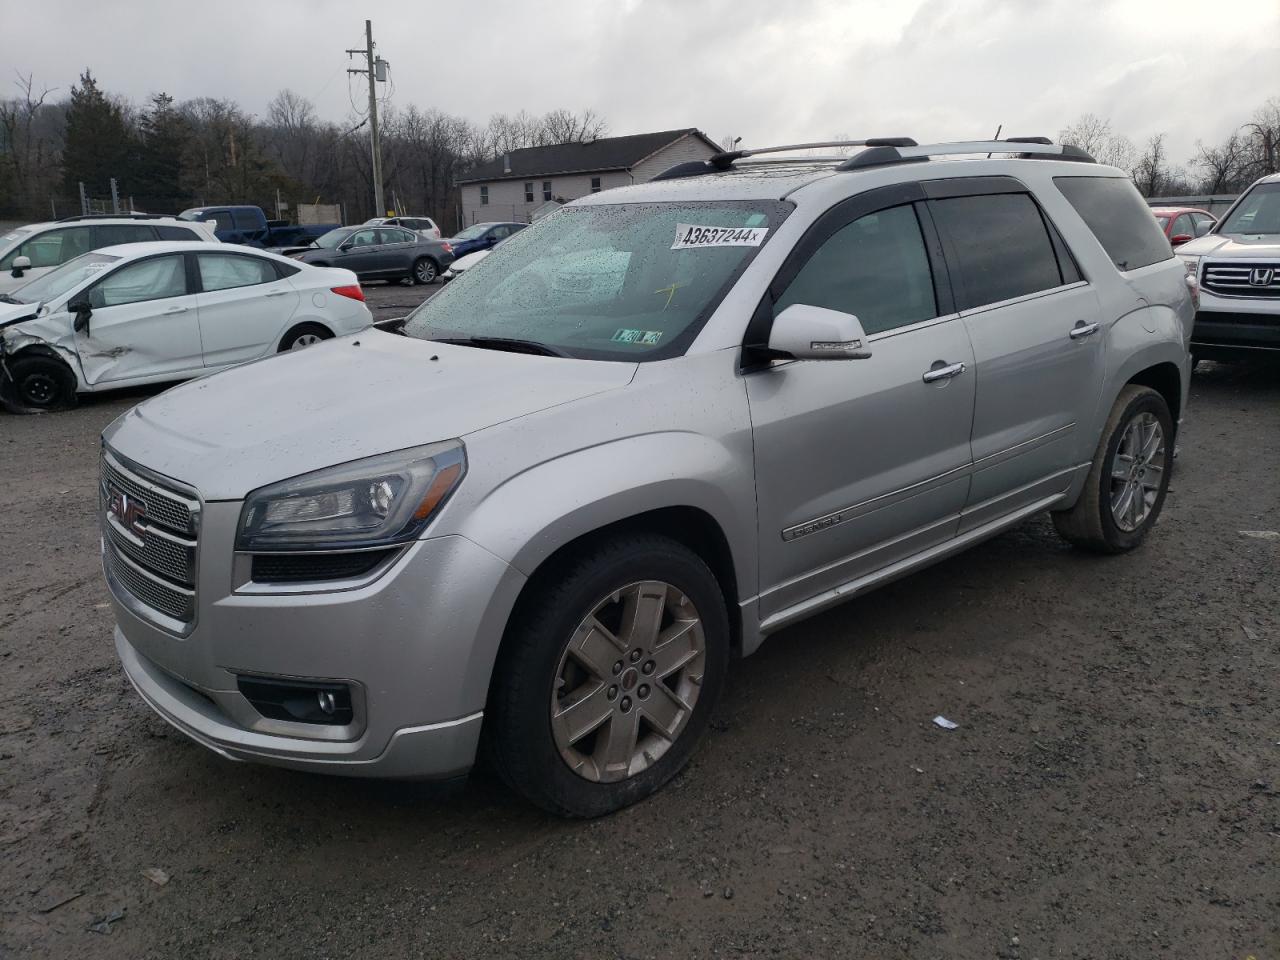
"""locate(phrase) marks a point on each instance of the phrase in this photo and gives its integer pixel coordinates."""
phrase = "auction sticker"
(648, 337)
(690, 236)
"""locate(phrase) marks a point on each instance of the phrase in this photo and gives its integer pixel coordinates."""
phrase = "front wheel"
(37, 384)
(1129, 478)
(424, 270)
(608, 675)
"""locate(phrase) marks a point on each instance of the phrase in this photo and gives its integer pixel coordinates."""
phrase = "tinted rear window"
(177, 233)
(1118, 217)
(999, 246)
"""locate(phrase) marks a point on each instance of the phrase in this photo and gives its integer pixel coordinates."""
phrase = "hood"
(1246, 246)
(347, 398)
(12, 311)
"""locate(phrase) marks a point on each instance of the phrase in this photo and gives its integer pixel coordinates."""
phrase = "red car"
(1179, 223)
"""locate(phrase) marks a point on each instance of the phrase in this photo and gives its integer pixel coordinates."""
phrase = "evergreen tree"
(98, 143)
(157, 181)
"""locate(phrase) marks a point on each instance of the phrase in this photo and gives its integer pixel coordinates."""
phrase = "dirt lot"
(1112, 791)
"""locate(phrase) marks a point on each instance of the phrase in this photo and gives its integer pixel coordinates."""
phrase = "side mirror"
(816, 333)
(1179, 239)
(20, 264)
(1204, 226)
(83, 312)
(391, 325)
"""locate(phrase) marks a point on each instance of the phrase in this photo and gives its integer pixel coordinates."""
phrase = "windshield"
(471, 232)
(1162, 219)
(192, 214)
(1258, 212)
(332, 238)
(609, 282)
(67, 277)
(12, 237)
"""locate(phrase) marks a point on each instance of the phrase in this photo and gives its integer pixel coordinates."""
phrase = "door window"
(362, 239)
(1183, 225)
(112, 233)
(222, 271)
(177, 233)
(245, 220)
(153, 279)
(999, 246)
(499, 233)
(875, 268)
(53, 247)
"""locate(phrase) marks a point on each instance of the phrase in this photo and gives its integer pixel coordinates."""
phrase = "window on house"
(546, 190)
(595, 184)
(484, 196)
(528, 192)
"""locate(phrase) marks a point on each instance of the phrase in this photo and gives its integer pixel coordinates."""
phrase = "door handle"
(174, 310)
(946, 372)
(1082, 330)
(276, 293)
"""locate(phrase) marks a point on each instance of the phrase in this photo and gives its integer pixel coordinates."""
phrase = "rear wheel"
(424, 270)
(608, 675)
(304, 335)
(1129, 478)
(38, 384)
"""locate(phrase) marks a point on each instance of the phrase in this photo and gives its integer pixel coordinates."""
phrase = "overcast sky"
(765, 70)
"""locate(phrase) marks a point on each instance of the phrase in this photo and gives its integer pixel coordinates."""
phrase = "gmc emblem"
(129, 511)
(1261, 276)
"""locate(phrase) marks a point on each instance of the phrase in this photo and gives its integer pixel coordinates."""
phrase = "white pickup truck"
(1237, 264)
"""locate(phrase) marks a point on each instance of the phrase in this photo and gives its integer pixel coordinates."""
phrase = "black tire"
(518, 727)
(38, 384)
(1091, 523)
(1195, 361)
(425, 271)
(303, 332)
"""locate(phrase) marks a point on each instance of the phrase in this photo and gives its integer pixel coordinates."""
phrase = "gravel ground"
(1112, 791)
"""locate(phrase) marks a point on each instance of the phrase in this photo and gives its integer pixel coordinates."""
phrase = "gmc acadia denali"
(642, 435)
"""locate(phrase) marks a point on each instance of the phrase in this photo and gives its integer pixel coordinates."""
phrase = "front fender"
(527, 518)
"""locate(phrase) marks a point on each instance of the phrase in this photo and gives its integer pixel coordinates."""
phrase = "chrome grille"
(1237, 279)
(149, 531)
(169, 509)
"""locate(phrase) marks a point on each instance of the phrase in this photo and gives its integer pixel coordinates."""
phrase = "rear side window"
(245, 220)
(222, 271)
(113, 233)
(998, 246)
(1115, 212)
(177, 233)
(875, 268)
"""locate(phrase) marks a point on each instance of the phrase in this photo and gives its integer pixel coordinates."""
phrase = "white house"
(514, 186)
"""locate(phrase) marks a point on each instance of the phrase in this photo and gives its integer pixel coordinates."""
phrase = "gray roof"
(607, 153)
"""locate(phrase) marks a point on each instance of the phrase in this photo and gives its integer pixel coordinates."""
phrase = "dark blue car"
(482, 236)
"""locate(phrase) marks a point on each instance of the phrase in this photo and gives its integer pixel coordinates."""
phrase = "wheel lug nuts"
(617, 668)
(643, 691)
(635, 655)
(626, 704)
(648, 667)
(613, 692)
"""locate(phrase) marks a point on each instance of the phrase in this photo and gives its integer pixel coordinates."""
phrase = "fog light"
(299, 701)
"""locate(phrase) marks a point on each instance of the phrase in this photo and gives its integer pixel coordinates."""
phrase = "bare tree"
(1223, 166)
(1264, 139)
(1094, 136)
(30, 139)
(1151, 173)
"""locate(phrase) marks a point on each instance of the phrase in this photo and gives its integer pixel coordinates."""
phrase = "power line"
(375, 69)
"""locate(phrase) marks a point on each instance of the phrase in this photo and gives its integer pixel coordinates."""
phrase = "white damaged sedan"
(156, 312)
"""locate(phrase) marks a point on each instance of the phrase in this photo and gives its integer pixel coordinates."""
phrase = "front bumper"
(416, 645)
(1235, 326)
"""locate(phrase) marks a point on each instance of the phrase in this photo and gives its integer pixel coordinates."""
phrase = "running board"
(853, 588)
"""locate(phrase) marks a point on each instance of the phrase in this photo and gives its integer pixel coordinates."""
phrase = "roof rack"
(886, 150)
(116, 216)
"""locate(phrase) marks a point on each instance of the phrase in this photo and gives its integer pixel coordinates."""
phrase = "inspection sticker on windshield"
(689, 236)
(649, 337)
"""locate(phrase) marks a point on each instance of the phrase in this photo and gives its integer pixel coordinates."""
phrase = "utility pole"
(376, 69)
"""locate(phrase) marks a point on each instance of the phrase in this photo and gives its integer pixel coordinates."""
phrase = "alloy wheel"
(305, 340)
(425, 271)
(628, 681)
(1137, 471)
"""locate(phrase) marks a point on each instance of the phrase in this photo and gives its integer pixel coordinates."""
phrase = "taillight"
(448, 247)
(352, 290)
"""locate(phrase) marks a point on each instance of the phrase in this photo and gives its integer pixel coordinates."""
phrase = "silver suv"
(644, 434)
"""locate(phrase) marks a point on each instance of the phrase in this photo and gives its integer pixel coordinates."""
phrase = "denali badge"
(1261, 276)
(128, 510)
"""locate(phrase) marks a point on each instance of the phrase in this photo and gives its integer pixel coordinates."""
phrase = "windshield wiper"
(5, 298)
(510, 344)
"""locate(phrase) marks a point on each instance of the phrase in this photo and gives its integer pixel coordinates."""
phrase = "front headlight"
(379, 501)
(1192, 265)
